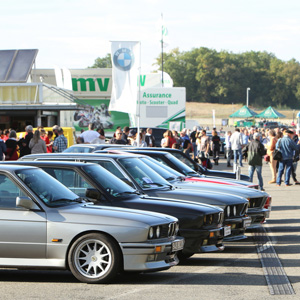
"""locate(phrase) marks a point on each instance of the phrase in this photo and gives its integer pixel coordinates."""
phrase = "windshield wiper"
(77, 200)
(130, 192)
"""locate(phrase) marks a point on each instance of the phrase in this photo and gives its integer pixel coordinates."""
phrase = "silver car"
(45, 225)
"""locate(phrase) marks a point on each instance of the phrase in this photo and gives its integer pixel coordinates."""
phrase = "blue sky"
(72, 33)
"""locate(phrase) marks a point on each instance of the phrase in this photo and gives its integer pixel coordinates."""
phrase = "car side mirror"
(94, 194)
(27, 203)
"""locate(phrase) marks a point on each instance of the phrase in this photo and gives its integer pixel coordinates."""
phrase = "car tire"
(95, 258)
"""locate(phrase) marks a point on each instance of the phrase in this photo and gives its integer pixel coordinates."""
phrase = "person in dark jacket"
(255, 150)
(2, 149)
(149, 138)
(287, 147)
(24, 142)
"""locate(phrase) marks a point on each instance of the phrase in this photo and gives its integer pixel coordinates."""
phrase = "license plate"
(177, 245)
(247, 223)
(227, 230)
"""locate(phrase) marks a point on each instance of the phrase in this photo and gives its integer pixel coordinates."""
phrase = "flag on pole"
(125, 70)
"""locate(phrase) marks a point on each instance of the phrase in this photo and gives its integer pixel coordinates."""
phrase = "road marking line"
(276, 277)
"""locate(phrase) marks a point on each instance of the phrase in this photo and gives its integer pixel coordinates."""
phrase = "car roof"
(79, 155)
(45, 163)
(11, 167)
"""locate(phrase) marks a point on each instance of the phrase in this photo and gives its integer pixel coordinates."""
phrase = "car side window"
(109, 166)
(71, 179)
(9, 191)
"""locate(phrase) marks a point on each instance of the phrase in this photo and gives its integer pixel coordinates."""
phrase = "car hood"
(202, 197)
(204, 187)
(96, 214)
(221, 180)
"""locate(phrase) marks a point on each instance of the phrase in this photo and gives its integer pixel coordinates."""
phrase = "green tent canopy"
(270, 113)
(244, 112)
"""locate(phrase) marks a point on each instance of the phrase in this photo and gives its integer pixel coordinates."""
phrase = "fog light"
(151, 257)
(204, 242)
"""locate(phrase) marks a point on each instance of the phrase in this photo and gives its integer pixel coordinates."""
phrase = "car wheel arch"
(83, 233)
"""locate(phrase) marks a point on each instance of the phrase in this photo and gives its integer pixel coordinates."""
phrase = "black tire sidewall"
(115, 257)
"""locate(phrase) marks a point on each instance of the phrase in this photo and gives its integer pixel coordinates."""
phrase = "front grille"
(257, 202)
(168, 230)
(236, 210)
(213, 219)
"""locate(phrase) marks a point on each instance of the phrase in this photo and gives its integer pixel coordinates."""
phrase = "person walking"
(203, 144)
(60, 143)
(12, 146)
(149, 138)
(295, 158)
(193, 137)
(228, 148)
(270, 149)
(215, 145)
(287, 147)
(255, 151)
(236, 146)
(36, 144)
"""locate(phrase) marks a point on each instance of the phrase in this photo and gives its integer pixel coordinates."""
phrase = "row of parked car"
(99, 212)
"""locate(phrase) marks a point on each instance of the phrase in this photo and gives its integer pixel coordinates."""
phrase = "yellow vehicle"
(69, 133)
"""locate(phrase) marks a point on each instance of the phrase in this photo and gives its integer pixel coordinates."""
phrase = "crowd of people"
(251, 144)
(256, 145)
(33, 142)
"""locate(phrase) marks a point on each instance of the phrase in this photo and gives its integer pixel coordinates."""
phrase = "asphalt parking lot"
(264, 266)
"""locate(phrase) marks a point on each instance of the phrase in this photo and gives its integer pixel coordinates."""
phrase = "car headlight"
(234, 210)
(157, 231)
(151, 233)
(228, 211)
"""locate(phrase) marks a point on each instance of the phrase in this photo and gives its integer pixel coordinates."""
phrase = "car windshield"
(48, 189)
(186, 170)
(164, 166)
(144, 176)
(182, 158)
(76, 149)
(159, 169)
(109, 182)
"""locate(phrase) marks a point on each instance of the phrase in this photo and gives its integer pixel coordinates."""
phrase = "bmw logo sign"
(123, 59)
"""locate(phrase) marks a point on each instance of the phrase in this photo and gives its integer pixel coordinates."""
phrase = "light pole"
(248, 89)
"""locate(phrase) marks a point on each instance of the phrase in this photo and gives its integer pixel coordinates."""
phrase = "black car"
(201, 225)
(183, 163)
(235, 206)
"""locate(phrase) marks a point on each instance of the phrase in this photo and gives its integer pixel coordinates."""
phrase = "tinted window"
(9, 191)
(112, 185)
(48, 189)
(144, 176)
(71, 179)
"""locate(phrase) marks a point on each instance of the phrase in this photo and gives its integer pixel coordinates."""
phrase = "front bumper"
(151, 256)
(258, 216)
(202, 240)
(238, 227)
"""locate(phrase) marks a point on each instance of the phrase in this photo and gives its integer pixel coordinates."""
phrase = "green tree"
(102, 62)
